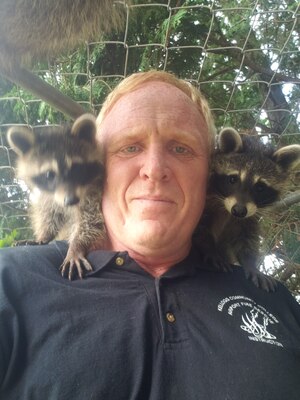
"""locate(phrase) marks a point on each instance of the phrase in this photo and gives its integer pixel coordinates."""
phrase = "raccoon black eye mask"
(246, 177)
(65, 164)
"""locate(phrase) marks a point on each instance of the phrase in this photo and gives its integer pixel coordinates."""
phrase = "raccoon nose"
(71, 200)
(239, 211)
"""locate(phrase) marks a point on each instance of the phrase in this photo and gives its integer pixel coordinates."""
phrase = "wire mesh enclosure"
(243, 55)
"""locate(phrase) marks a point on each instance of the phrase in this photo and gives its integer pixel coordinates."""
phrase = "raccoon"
(65, 165)
(39, 30)
(247, 177)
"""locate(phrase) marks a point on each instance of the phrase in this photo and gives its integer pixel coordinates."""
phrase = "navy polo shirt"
(121, 334)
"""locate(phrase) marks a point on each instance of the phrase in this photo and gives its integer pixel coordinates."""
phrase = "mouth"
(157, 199)
(154, 203)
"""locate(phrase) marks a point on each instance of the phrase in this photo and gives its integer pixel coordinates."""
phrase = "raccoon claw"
(261, 281)
(71, 264)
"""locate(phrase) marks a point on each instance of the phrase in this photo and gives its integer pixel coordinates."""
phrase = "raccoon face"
(62, 163)
(248, 175)
(242, 194)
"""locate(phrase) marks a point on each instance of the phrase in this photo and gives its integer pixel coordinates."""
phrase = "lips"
(153, 204)
(154, 199)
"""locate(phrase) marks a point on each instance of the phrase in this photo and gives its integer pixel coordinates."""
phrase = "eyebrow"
(123, 136)
(137, 132)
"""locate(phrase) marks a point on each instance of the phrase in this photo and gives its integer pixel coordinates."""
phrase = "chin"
(152, 238)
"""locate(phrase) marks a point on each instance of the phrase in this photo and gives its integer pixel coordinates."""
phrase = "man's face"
(155, 141)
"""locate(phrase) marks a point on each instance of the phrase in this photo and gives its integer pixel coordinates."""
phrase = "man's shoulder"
(233, 286)
(27, 259)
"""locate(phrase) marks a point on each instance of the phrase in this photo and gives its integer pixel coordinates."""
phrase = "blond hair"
(136, 80)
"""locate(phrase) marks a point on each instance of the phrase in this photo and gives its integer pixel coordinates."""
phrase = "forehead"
(156, 106)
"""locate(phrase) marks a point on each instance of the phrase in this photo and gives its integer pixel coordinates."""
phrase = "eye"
(232, 179)
(180, 150)
(132, 149)
(46, 181)
(260, 187)
(50, 175)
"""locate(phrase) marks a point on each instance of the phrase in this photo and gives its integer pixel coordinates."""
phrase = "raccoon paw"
(73, 264)
(261, 280)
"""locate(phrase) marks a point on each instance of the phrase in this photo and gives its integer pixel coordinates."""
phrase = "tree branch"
(43, 90)
(288, 201)
(266, 71)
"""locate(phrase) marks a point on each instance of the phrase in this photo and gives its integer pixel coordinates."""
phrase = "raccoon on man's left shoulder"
(247, 178)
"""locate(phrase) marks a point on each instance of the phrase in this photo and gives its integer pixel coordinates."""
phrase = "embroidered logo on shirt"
(253, 318)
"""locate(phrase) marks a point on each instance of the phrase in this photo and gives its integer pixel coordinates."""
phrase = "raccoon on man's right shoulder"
(247, 177)
(65, 166)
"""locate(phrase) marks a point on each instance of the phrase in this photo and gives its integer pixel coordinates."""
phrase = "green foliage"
(9, 239)
(290, 237)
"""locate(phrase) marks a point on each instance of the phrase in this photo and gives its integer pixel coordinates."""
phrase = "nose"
(155, 166)
(71, 200)
(239, 211)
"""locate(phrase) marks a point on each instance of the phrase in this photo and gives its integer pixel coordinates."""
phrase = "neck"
(155, 262)
(155, 266)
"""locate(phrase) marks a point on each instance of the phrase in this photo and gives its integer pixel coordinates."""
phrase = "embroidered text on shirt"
(253, 318)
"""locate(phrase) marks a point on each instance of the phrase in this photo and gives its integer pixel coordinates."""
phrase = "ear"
(20, 139)
(230, 141)
(85, 127)
(288, 157)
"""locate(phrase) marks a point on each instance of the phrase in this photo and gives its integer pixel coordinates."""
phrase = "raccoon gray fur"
(247, 177)
(38, 30)
(65, 165)
(33, 30)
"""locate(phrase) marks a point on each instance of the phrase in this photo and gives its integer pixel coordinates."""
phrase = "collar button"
(119, 261)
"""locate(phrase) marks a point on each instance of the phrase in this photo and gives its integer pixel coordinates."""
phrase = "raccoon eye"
(232, 179)
(46, 180)
(260, 187)
(50, 175)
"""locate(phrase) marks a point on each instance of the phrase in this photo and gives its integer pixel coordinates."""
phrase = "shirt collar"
(99, 259)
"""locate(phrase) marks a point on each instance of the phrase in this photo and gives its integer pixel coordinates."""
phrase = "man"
(158, 153)
(152, 321)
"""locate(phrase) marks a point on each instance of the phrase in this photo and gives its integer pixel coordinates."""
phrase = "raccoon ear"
(288, 157)
(230, 141)
(20, 139)
(85, 127)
